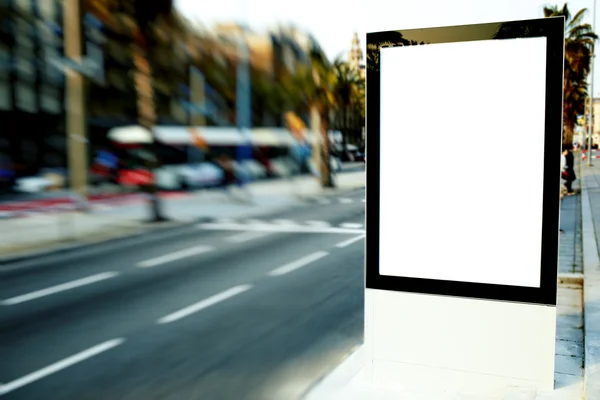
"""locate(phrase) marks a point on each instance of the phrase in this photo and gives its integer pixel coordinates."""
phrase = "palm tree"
(379, 40)
(321, 99)
(146, 14)
(579, 48)
(310, 89)
(349, 97)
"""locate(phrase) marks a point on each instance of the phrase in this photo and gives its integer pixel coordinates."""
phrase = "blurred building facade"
(31, 88)
(596, 129)
(32, 81)
(355, 56)
(581, 129)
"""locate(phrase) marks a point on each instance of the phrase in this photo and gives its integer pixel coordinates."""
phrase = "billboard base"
(431, 343)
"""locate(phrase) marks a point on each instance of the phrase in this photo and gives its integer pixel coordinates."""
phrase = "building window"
(25, 97)
(5, 100)
(24, 5)
(50, 99)
(5, 64)
(46, 9)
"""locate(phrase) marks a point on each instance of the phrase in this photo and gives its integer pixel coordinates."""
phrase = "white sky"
(333, 22)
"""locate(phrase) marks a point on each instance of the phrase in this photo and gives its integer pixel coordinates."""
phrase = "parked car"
(361, 156)
(7, 174)
(190, 176)
(351, 154)
(32, 184)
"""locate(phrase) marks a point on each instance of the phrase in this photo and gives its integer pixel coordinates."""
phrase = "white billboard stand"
(462, 233)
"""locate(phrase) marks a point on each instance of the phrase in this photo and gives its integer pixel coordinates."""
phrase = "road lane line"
(201, 305)
(317, 223)
(60, 365)
(346, 201)
(247, 236)
(279, 228)
(255, 222)
(192, 251)
(349, 241)
(58, 288)
(284, 222)
(294, 265)
(350, 225)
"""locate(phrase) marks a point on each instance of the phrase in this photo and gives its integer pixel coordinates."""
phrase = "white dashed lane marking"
(284, 222)
(247, 236)
(350, 225)
(279, 228)
(59, 366)
(348, 242)
(201, 305)
(256, 222)
(294, 265)
(317, 223)
(59, 288)
(167, 258)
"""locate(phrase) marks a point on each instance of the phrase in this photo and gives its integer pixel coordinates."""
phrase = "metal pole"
(75, 101)
(243, 87)
(197, 96)
(315, 127)
(591, 121)
(243, 92)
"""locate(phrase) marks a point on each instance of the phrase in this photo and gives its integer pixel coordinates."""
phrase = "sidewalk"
(34, 204)
(577, 368)
(48, 232)
(348, 382)
(590, 200)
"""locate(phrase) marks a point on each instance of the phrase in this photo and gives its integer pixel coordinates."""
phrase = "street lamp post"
(591, 119)
(75, 104)
(243, 95)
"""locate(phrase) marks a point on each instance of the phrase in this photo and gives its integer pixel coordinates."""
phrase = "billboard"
(479, 203)
(463, 228)
(474, 212)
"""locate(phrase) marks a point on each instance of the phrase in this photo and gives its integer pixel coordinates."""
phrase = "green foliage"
(579, 47)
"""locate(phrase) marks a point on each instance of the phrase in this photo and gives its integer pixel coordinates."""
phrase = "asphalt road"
(228, 310)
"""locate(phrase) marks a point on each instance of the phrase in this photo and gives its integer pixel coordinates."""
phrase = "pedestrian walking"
(563, 188)
(568, 173)
(231, 178)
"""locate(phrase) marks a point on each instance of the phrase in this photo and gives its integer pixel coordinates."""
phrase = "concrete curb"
(571, 279)
(147, 230)
(327, 387)
(591, 298)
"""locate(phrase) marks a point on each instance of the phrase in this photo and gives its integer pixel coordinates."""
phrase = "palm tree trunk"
(146, 117)
(568, 135)
(344, 131)
(326, 176)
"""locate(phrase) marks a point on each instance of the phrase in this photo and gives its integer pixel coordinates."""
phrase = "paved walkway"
(576, 348)
(591, 261)
(570, 250)
(23, 236)
(347, 382)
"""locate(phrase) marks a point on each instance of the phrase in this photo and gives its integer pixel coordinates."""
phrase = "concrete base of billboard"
(446, 344)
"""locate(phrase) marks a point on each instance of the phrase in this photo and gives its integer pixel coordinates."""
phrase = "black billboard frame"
(553, 30)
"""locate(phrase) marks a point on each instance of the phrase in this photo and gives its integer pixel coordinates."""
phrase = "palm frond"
(578, 18)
